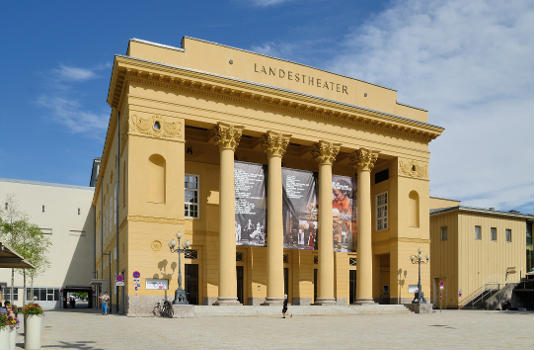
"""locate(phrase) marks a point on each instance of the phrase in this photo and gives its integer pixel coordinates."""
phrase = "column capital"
(227, 136)
(364, 159)
(325, 152)
(275, 144)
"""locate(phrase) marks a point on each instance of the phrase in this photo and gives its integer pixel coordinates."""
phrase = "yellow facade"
(196, 109)
(468, 263)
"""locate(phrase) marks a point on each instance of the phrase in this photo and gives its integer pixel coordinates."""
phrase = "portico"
(277, 227)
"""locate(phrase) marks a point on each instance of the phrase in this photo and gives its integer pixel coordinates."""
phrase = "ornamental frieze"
(412, 168)
(275, 144)
(156, 126)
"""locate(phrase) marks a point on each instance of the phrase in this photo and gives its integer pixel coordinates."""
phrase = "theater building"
(286, 179)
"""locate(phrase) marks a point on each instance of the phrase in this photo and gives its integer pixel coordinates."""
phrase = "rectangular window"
(50, 294)
(508, 235)
(443, 230)
(7, 293)
(191, 199)
(478, 232)
(494, 233)
(382, 211)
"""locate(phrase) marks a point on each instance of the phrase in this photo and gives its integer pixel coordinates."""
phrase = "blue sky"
(471, 64)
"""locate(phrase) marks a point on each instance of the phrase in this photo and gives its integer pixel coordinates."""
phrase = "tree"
(26, 239)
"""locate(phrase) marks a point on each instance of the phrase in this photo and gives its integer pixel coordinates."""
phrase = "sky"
(469, 63)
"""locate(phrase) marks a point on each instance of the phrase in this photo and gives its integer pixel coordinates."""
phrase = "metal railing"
(476, 299)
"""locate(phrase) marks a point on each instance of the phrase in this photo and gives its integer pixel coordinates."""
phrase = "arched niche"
(156, 179)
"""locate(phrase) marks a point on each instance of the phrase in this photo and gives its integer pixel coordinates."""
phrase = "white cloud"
(266, 3)
(471, 64)
(70, 113)
(67, 73)
(276, 49)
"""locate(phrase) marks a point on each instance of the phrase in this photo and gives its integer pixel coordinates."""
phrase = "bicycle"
(163, 309)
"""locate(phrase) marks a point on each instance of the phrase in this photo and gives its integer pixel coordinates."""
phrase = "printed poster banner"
(250, 204)
(344, 213)
(299, 209)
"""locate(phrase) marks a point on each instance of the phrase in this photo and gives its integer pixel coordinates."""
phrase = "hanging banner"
(250, 204)
(344, 213)
(299, 193)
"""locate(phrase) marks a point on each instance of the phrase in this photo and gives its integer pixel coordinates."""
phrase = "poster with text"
(299, 208)
(250, 204)
(344, 213)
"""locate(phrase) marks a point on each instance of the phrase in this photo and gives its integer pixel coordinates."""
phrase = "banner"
(299, 193)
(250, 204)
(344, 214)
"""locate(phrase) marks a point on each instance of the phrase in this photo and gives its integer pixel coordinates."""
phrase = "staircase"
(477, 299)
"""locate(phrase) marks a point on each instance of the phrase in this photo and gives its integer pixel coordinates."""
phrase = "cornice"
(147, 73)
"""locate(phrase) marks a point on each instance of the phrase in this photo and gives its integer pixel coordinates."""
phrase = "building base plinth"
(273, 301)
(423, 308)
(364, 302)
(227, 302)
(183, 310)
(325, 301)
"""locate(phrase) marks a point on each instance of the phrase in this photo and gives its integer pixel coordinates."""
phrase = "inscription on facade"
(298, 77)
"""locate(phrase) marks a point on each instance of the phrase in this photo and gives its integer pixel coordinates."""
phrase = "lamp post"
(180, 295)
(418, 259)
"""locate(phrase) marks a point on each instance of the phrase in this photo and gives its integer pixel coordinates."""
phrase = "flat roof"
(50, 184)
(482, 211)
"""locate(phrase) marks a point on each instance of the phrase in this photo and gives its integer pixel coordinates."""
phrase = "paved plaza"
(449, 329)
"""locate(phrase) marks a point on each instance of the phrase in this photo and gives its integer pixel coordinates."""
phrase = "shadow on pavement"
(82, 345)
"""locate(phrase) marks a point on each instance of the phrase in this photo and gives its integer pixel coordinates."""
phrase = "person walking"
(105, 300)
(284, 307)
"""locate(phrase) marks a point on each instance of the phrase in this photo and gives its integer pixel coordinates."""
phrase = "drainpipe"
(117, 192)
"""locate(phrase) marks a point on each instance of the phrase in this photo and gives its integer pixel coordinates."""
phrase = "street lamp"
(418, 259)
(180, 295)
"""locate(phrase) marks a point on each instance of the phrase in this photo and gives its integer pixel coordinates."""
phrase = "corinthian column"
(227, 138)
(325, 154)
(275, 145)
(364, 160)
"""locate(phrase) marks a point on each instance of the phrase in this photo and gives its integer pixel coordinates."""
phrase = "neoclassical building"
(285, 179)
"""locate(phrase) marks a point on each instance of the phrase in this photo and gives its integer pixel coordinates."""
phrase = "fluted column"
(275, 145)
(325, 154)
(227, 138)
(364, 160)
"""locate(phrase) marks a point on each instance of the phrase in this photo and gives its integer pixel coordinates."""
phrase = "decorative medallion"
(156, 245)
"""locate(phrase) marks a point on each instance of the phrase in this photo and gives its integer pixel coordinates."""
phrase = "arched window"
(413, 209)
(156, 179)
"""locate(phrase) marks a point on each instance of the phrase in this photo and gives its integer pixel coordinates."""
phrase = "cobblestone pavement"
(449, 329)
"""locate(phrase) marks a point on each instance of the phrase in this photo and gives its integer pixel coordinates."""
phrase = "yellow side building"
(474, 251)
(340, 168)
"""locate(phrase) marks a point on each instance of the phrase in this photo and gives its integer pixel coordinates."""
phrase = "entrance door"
(314, 285)
(240, 283)
(191, 283)
(286, 281)
(352, 286)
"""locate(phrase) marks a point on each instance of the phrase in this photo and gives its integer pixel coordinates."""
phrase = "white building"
(65, 214)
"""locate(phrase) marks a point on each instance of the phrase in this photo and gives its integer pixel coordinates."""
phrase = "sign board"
(119, 284)
(136, 274)
(412, 288)
(154, 283)
(460, 293)
(119, 278)
(441, 285)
